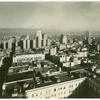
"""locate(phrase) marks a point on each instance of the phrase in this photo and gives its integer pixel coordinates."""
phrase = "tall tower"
(98, 46)
(39, 38)
(4, 44)
(24, 44)
(44, 39)
(10, 43)
(28, 42)
(34, 43)
(64, 39)
(89, 37)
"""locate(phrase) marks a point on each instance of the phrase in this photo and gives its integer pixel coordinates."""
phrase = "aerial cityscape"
(49, 60)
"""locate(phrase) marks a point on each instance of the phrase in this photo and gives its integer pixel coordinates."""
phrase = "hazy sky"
(63, 16)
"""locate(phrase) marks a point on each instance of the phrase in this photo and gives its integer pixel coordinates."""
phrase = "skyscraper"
(7, 44)
(64, 39)
(89, 37)
(44, 39)
(24, 44)
(4, 45)
(34, 43)
(39, 38)
(98, 46)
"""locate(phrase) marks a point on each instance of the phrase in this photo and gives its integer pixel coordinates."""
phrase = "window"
(46, 91)
(64, 92)
(70, 91)
(76, 84)
(64, 87)
(32, 95)
(60, 88)
(48, 97)
(70, 86)
(52, 95)
(40, 93)
(36, 94)
(59, 93)
(54, 89)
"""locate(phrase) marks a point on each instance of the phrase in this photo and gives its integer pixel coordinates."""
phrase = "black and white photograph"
(50, 50)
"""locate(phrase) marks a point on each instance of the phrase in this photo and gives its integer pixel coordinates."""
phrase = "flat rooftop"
(97, 81)
(29, 74)
(28, 77)
(63, 78)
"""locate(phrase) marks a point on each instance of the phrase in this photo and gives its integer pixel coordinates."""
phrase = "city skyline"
(61, 16)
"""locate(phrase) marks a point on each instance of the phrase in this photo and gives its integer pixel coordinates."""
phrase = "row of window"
(57, 91)
(58, 94)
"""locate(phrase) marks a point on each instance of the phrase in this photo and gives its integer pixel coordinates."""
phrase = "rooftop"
(97, 81)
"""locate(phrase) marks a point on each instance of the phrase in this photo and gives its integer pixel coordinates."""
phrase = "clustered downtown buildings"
(45, 67)
(39, 40)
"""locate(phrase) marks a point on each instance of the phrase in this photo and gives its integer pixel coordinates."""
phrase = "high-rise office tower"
(24, 44)
(98, 46)
(28, 44)
(20, 43)
(31, 43)
(48, 42)
(4, 45)
(89, 37)
(39, 39)
(64, 39)
(34, 43)
(53, 50)
(9, 43)
(44, 40)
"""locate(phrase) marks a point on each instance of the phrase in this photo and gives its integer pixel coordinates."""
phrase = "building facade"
(28, 58)
(59, 90)
(64, 39)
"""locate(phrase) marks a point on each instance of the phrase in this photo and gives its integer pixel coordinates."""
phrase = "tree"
(6, 63)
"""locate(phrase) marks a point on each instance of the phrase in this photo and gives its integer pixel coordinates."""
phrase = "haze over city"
(49, 50)
(60, 16)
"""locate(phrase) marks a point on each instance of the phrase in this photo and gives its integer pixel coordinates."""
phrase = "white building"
(98, 46)
(62, 58)
(64, 39)
(24, 44)
(77, 61)
(44, 39)
(28, 58)
(82, 54)
(34, 43)
(28, 44)
(10, 43)
(62, 46)
(48, 42)
(67, 64)
(5, 45)
(68, 58)
(59, 90)
(39, 38)
(53, 51)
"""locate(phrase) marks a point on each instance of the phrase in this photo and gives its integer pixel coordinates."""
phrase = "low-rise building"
(53, 51)
(28, 58)
(59, 90)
